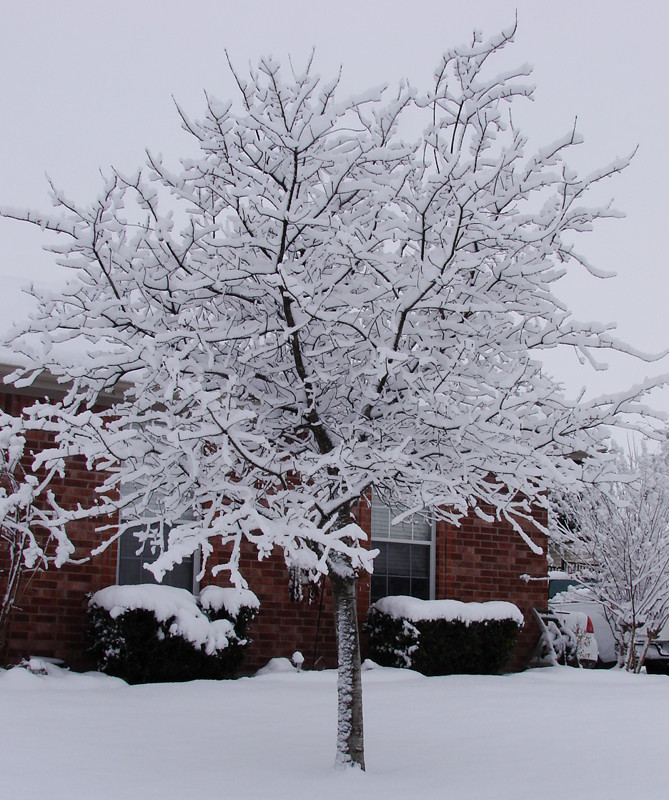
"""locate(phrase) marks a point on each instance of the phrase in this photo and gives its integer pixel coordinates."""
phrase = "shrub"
(155, 634)
(442, 637)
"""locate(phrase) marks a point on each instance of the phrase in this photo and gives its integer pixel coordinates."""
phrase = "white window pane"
(380, 520)
(417, 527)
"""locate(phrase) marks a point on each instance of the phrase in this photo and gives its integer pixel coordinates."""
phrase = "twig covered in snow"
(313, 307)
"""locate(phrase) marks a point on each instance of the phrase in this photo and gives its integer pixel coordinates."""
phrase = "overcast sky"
(87, 84)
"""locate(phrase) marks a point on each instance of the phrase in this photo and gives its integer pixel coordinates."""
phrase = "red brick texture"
(288, 622)
(291, 620)
(481, 561)
(477, 561)
(49, 619)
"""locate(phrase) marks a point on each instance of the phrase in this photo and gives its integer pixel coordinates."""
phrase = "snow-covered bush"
(239, 606)
(154, 634)
(442, 637)
(332, 296)
(557, 645)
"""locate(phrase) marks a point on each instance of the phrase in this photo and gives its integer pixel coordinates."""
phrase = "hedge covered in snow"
(442, 637)
(152, 633)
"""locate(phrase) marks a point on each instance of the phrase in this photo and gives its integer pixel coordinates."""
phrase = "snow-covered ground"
(549, 733)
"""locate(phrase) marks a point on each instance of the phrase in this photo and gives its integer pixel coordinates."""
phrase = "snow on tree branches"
(32, 525)
(619, 536)
(315, 306)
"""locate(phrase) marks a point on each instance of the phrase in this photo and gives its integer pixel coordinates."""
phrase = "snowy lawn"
(549, 733)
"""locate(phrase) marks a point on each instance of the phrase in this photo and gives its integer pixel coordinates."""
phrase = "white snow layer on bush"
(215, 598)
(166, 602)
(415, 610)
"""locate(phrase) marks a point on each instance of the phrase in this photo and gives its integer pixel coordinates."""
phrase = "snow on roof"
(16, 305)
(415, 610)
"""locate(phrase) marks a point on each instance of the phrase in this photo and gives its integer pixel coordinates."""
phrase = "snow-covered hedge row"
(151, 633)
(442, 637)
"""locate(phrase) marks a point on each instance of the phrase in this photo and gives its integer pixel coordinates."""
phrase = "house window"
(132, 556)
(404, 564)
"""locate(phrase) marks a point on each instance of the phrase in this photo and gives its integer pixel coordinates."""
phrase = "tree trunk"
(15, 573)
(350, 739)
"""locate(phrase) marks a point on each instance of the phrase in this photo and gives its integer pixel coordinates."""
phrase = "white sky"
(86, 84)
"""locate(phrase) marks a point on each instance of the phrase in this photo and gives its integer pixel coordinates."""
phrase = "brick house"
(477, 561)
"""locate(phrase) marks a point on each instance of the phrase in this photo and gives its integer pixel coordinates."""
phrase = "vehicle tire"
(656, 666)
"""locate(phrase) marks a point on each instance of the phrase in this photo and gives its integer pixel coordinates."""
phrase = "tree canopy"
(317, 305)
(618, 533)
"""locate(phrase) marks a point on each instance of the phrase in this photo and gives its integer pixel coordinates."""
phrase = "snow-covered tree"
(619, 536)
(32, 525)
(315, 306)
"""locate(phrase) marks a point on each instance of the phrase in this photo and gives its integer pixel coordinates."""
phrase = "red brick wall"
(477, 561)
(286, 624)
(481, 561)
(50, 617)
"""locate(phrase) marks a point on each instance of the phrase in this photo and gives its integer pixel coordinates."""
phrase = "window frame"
(194, 586)
(388, 539)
